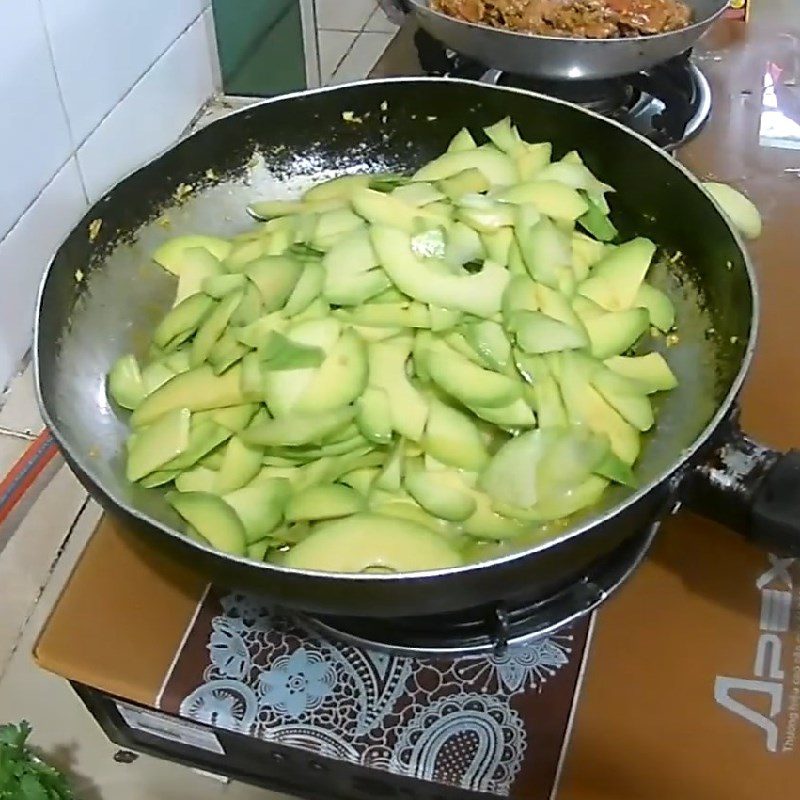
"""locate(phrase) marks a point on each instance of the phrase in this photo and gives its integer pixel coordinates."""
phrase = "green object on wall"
(260, 45)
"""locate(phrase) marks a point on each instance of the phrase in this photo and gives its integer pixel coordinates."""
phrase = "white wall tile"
(152, 116)
(333, 46)
(101, 47)
(34, 137)
(24, 254)
(344, 15)
(366, 51)
(380, 23)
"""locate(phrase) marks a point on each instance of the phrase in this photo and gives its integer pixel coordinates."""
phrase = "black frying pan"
(101, 298)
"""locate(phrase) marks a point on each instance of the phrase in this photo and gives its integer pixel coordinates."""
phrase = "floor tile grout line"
(15, 434)
(358, 35)
(51, 569)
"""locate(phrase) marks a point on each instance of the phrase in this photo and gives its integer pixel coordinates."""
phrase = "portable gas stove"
(668, 104)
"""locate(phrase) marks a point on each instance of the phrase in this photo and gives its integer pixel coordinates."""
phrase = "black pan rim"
(671, 476)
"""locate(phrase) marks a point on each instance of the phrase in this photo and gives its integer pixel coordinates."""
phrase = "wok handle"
(751, 489)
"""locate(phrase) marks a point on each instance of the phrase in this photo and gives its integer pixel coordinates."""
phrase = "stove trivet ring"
(502, 627)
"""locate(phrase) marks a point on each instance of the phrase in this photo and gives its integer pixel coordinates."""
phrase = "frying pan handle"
(751, 489)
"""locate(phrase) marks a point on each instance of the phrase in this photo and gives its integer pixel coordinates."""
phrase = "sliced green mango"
(283, 389)
(615, 332)
(550, 410)
(504, 136)
(257, 551)
(651, 371)
(324, 502)
(332, 226)
(417, 194)
(155, 446)
(306, 290)
(278, 352)
(275, 278)
(615, 280)
(198, 389)
(172, 255)
(497, 167)
(462, 245)
(198, 479)
(478, 294)
(199, 265)
(452, 438)
(388, 315)
(461, 142)
(569, 461)
(213, 327)
(125, 384)
(251, 307)
(586, 406)
(440, 495)
(240, 464)
(260, 508)
(244, 253)
(226, 352)
(212, 518)
(204, 437)
(538, 333)
(546, 250)
(586, 252)
(374, 416)
(596, 222)
(484, 214)
(387, 371)
(510, 476)
(336, 188)
(368, 541)
(515, 415)
(626, 396)
(183, 320)
(155, 375)
(557, 507)
(468, 181)
(741, 211)
(550, 198)
(658, 305)
(532, 159)
(491, 342)
(468, 382)
(341, 378)
(297, 429)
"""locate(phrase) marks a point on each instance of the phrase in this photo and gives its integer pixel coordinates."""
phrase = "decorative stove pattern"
(462, 722)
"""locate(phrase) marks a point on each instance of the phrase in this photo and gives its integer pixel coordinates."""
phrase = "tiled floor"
(352, 36)
(44, 535)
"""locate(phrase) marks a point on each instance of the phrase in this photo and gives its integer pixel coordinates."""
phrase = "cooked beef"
(586, 19)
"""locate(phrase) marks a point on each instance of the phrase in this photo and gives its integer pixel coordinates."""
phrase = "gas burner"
(668, 103)
(493, 629)
(605, 96)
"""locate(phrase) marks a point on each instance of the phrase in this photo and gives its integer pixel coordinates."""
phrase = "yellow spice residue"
(94, 229)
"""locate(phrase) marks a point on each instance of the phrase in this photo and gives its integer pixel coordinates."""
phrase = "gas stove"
(668, 103)
(492, 630)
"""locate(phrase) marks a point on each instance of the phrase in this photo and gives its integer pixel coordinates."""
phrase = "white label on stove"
(165, 727)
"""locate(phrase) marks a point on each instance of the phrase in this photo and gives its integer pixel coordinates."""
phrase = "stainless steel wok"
(555, 58)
